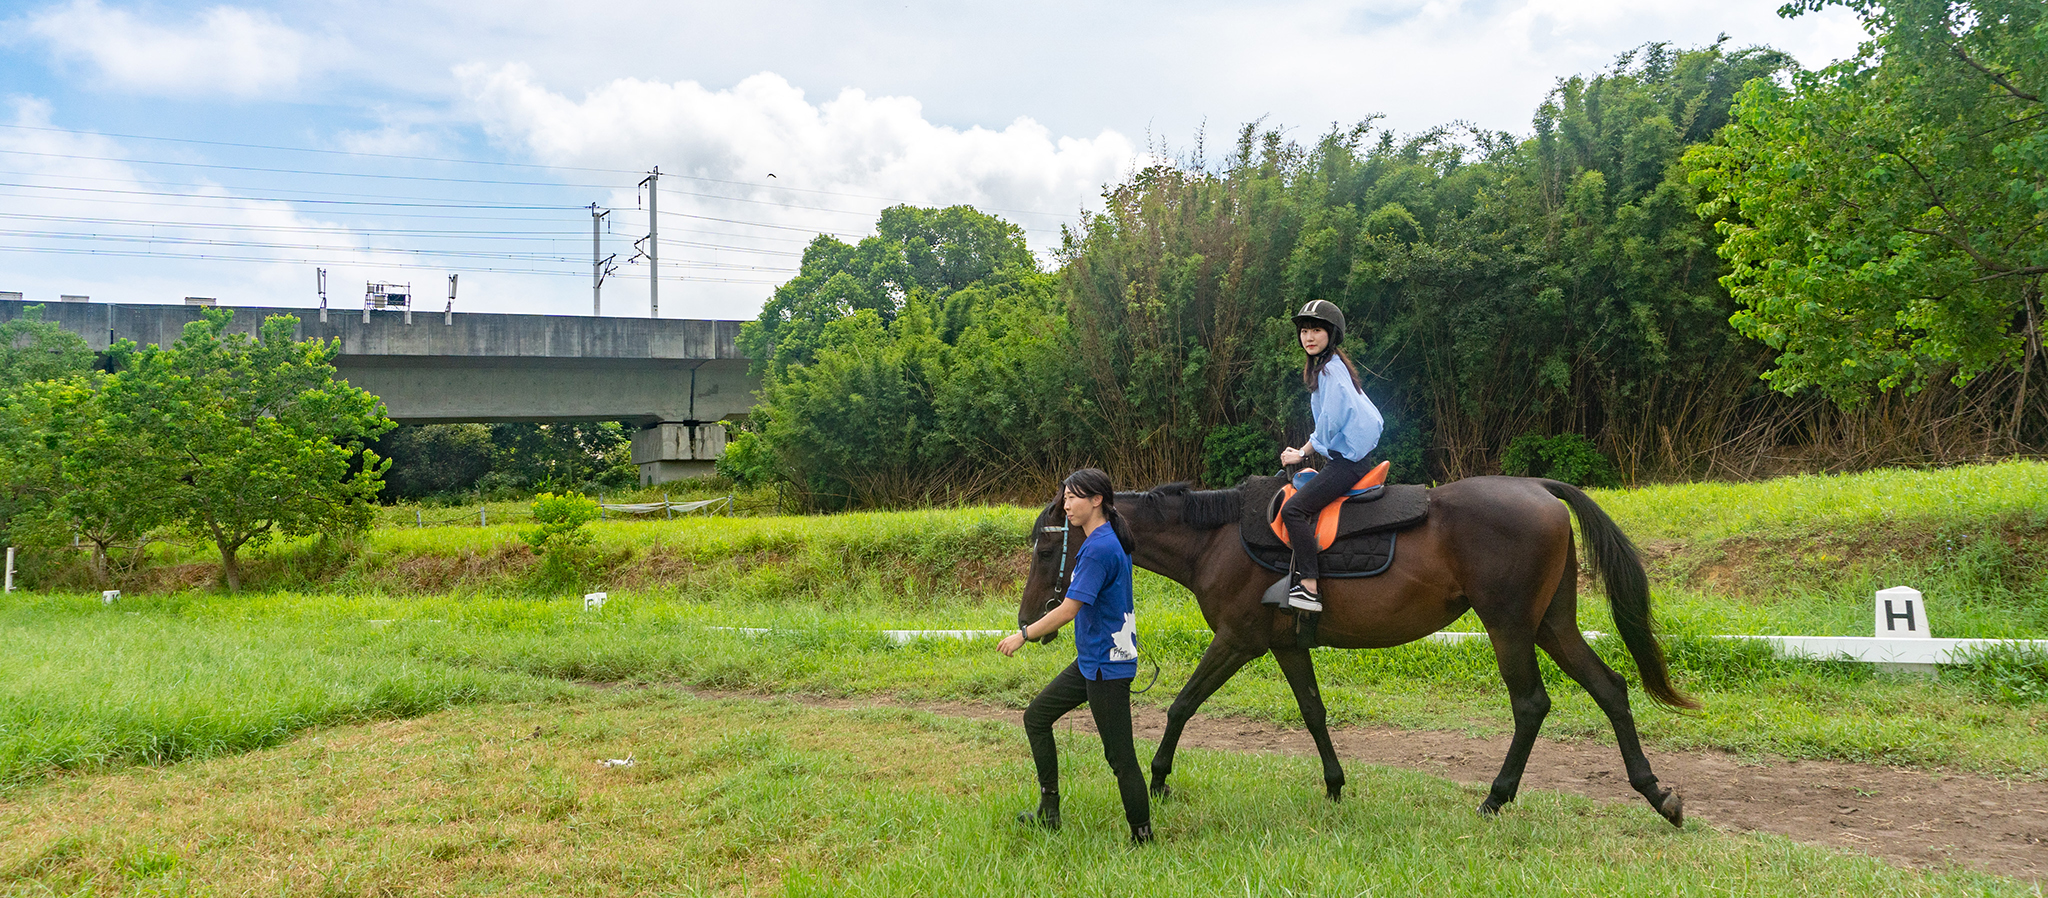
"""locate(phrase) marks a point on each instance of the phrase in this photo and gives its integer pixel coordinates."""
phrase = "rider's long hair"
(1091, 482)
(1312, 370)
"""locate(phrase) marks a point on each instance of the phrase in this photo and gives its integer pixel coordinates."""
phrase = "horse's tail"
(1614, 562)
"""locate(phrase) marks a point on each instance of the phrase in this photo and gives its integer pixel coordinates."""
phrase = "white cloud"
(221, 51)
(835, 164)
(852, 143)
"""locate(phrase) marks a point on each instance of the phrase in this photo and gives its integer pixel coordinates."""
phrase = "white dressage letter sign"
(1901, 613)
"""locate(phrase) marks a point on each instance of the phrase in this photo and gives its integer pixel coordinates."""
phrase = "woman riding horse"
(1347, 428)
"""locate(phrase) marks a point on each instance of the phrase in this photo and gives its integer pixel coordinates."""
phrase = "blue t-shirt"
(1106, 629)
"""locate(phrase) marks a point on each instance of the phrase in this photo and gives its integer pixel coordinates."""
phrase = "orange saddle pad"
(1368, 487)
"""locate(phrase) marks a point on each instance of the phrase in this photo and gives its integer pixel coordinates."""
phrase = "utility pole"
(598, 263)
(323, 294)
(448, 314)
(653, 244)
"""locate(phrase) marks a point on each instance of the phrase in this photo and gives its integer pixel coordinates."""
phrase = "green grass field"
(448, 622)
(765, 798)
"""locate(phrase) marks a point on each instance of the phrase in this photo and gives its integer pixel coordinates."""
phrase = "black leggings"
(1299, 514)
(1110, 702)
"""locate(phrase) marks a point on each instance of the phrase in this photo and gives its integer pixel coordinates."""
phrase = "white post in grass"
(1900, 613)
(593, 601)
(109, 596)
(10, 568)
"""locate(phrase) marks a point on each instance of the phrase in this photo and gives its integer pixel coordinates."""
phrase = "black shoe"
(1301, 598)
(1141, 834)
(1048, 815)
(1049, 822)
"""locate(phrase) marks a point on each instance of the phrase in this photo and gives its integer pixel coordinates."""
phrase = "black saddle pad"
(1366, 531)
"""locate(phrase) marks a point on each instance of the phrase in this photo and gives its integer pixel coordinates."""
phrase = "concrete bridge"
(674, 378)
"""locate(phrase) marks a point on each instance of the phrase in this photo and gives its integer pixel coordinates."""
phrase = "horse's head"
(1054, 546)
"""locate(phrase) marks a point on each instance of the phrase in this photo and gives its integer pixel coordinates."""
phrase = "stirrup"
(1301, 599)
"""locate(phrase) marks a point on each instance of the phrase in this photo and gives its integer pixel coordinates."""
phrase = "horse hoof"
(1162, 791)
(1490, 807)
(1672, 807)
(1335, 791)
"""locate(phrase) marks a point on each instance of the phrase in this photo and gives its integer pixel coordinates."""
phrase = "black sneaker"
(1045, 819)
(1141, 834)
(1301, 598)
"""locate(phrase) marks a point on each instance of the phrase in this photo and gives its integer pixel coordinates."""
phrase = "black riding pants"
(1299, 514)
(1110, 702)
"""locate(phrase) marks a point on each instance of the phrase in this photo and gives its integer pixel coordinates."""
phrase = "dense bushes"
(461, 460)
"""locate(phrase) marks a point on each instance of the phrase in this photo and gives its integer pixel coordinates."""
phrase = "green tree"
(915, 250)
(254, 438)
(76, 473)
(926, 361)
(1887, 216)
(32, 349)
(44, 385)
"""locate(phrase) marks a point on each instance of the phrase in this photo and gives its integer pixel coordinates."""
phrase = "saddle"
(1365, 490)
(1361, 534)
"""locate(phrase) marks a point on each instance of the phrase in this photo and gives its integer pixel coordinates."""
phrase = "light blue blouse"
(1347, 423)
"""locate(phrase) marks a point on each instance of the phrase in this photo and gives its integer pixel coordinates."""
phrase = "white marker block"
(593, 601)
(108, 596)
(1900, 613)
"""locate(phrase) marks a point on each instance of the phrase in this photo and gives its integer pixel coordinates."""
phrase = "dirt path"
(1907, 817)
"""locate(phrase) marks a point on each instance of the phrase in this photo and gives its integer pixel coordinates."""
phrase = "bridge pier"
(677, 450)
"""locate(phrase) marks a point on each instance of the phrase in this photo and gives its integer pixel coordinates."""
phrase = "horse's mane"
(1199, 509)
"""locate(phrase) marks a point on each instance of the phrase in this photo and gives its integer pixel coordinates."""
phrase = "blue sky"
(403, 141)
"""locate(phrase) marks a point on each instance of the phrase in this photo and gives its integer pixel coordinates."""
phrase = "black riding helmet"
(1324, 314)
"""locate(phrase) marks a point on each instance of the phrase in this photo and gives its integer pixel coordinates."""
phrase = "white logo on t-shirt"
(1123, 644)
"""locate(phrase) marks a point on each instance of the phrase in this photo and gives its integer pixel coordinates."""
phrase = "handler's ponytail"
(1091, 482)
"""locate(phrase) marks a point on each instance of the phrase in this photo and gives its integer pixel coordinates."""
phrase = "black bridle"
(1059, 584)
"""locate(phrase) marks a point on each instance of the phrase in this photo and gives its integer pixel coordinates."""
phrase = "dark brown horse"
(1501, 546)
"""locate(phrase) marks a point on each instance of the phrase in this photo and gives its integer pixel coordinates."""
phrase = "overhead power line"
(358, 153)
(274, 199)
(299, 171)
(338, 229)
(273, 260)
(253, 244)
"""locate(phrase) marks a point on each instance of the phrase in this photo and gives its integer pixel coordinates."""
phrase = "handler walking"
(1347, 428)
(1099, 603)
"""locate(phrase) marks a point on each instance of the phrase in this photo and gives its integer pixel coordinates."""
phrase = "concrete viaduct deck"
(674, 378)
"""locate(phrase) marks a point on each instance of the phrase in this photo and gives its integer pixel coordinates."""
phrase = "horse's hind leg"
(1516, 653)
(1565, 645)
(1301, 676)
(1219, 663)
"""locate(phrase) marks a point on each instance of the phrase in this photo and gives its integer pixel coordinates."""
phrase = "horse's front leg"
(1301, 677)
(1219, 663)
